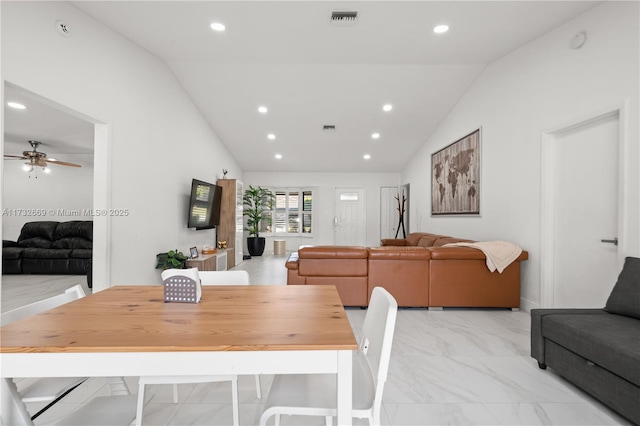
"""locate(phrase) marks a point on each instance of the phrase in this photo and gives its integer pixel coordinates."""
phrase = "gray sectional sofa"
(598, 350)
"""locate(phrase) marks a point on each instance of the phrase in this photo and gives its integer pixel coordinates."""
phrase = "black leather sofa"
(598, 350)
(47, 247)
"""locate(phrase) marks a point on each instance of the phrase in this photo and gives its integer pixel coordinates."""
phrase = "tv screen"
(204, 205)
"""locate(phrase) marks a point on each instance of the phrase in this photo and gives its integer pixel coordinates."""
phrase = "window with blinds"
(292, 212)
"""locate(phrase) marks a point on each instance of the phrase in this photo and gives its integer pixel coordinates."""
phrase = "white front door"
(349, 218)
(586, 212)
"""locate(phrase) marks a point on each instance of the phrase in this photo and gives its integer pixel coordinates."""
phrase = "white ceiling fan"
(36, 158)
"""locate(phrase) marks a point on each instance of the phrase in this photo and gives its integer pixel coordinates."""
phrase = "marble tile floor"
(450, 367)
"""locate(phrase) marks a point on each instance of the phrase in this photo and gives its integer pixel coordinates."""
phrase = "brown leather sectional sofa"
(417, 271)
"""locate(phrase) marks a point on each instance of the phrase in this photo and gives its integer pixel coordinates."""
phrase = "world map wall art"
(455, 177)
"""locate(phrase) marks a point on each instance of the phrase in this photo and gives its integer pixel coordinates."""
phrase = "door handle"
(614, 241)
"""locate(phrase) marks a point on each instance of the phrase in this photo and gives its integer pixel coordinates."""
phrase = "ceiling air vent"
(344, 17)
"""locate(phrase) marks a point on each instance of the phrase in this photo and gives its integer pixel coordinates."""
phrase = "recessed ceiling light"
(217, 26)
(375, 135)
(262, 109)
(387, 107)
(366, 156)
(271, 136)
(278, 156)
(439, 29)
(16, 105)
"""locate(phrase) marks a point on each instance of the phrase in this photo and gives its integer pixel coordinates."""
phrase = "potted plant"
(173, 259)
(257, 201)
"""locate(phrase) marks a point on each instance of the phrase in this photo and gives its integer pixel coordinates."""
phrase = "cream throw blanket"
(499, 254)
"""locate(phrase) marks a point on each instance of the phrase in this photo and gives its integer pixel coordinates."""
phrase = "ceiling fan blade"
(61, 163)
(20, 157)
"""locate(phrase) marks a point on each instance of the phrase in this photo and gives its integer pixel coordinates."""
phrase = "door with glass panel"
(349, 217)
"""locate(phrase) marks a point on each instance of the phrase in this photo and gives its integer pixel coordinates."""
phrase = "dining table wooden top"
(228, 318)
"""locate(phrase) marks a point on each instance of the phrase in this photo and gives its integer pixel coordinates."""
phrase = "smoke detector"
(343, 17)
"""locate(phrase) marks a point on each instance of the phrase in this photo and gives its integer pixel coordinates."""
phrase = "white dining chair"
(47, 390)
(117, 409)
(206, 278)
(315, 394)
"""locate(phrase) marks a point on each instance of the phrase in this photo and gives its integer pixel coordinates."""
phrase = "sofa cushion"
(333, 261)
(37, 242)
(399, 253)
(72, 243)
(333, 252)
(428, 240)
(43, 229)
(625, 296)
(448, 240)
(42, 253)
(413, 238)
(611, 341)
(74, 228)
(81, 254)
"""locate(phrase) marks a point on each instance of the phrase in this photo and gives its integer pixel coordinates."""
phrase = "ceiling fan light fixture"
(37, 159)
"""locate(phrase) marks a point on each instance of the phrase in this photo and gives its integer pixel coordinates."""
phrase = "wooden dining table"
(131, 331)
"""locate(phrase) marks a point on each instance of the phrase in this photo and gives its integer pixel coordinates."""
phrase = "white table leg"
(12, 409)
(345, 395)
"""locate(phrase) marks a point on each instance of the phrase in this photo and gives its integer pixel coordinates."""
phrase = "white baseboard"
(527, 305)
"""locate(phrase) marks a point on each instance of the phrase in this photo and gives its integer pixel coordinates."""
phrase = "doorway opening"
(68, 134)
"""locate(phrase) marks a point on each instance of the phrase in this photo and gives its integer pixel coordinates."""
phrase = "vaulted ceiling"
(308, 72)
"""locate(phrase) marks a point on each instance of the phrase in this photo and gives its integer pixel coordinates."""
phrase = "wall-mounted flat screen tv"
(204, 205)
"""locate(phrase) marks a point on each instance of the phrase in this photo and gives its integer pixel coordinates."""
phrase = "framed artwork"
(455, 177)
(194, 252)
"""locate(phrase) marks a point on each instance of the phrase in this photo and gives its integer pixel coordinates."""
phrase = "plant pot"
(255, 245)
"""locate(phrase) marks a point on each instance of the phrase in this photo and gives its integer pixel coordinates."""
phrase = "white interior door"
(349, 218)
(586, 212)
(388, 212)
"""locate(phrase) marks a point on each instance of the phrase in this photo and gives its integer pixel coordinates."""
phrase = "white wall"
(324, 185)
(56, 194)
(534, 89)
(157, 139)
